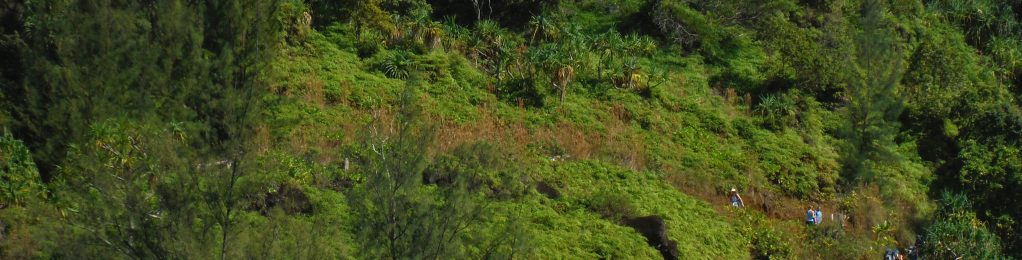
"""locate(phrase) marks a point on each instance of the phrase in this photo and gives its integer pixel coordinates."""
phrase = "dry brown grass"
(344, 94)
(451, 134)
(571, 139)
(748, 103)
(262, 139)
(682, 82)
(773, 204)
(313, 92)
(695, 185)
(730, 96)
(512, 137)
(620, 144)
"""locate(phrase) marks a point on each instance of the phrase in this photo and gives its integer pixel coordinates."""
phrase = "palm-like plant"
(575, 46)
(456, 35)
(981, 20)
(398, 65)
(637, 47)
(396, 33)
(504, 55)
(557, 61)
(542, 26)
(562, 78)
(488, 38)
(776, 110)
(434, 36)
(606, 47)
(420, 22)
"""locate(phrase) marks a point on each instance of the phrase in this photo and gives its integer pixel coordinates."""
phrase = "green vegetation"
(414, 129)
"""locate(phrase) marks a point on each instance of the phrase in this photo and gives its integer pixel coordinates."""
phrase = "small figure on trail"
(913, 253)
(891, 254)
(810, 216)
(736, 200)
(819, 215)
(894, 254)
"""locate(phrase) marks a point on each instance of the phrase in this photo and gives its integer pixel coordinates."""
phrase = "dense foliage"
(509, 129)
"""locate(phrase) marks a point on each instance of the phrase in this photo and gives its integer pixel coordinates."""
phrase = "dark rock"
(292, 200)
(655, 231)
(341, 183)
(544, 188)
(768, 203)
(443, 177)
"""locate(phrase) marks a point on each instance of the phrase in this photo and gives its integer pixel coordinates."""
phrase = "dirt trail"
(775, 207)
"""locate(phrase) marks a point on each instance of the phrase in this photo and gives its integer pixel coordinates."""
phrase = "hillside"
(522, 129)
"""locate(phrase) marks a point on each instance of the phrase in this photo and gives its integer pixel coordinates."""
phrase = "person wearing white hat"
(736, 200)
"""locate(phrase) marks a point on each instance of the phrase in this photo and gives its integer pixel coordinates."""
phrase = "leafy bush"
(777, 111)
(19, 178)
(741, 60)
(397, 65)
(481, 166)
(613, 206)
(804, 57)
(797, 168)
(766, 241)
(699, 229)
(957, 233)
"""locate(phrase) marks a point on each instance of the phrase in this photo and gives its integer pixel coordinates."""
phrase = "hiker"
(810, 216)
(736, 200)
(913, 253)
(819, 215)
(891, 254)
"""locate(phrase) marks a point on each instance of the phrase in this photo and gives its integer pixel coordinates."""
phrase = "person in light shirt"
(819, 215)
(736, 200)
(810, 216)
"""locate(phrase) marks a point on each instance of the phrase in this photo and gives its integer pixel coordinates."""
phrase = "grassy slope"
(698, 229)
(326, 93)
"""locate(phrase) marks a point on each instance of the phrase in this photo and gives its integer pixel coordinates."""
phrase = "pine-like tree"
(873, 98)
(146, 109)
(399, 216)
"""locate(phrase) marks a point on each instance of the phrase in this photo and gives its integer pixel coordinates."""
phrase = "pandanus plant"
(563, 77)
(495, 46)
(554, 59)
(434, 36)
(487, 38)
(542, 26)
(419, 21)
(606, 46)
(637, 47)
(398, 65)
(456, 35)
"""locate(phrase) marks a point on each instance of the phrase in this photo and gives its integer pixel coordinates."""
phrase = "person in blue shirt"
(736, 200)
(810, 216)
(819, 215)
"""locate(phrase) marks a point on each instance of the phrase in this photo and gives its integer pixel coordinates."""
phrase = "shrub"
(19, 178)
(482, 167)
(296, 20)
(766, 242)
(370, 43)
(795, 167)
(957, 233)
(777, 111)
(398, 65)
(613, 206)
